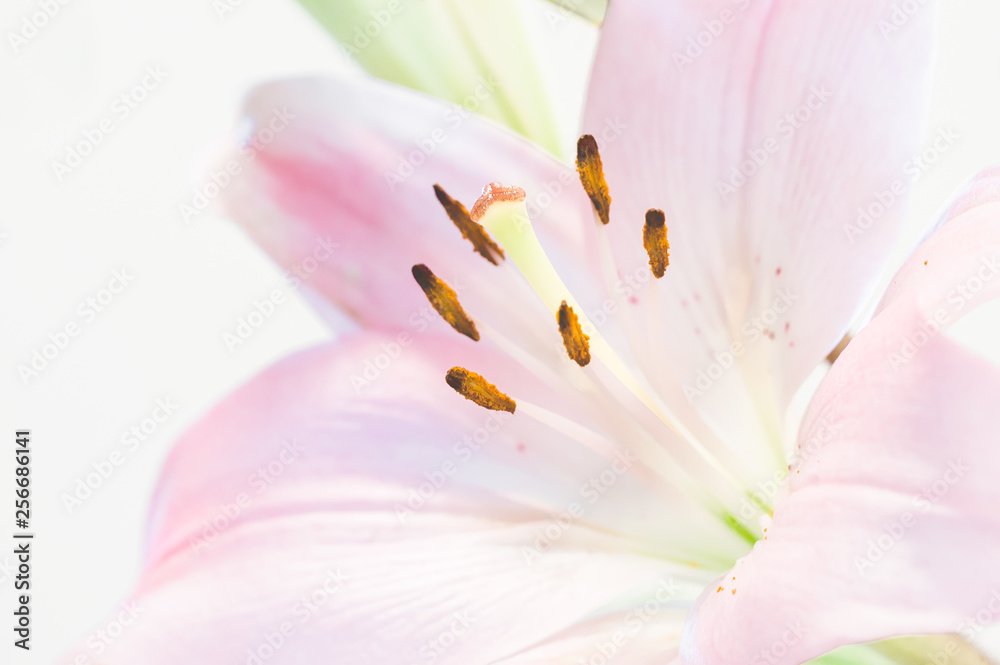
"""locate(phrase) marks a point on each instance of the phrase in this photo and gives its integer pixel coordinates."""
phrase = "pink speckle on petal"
(521, 447)
(633, 300)
(787, 326)
(778, 271)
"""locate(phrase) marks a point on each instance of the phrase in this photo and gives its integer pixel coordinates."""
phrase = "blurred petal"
(823, 105)
(479, 55)
(890, 527)
(429, 507)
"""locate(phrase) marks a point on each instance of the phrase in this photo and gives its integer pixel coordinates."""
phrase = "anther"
(654, 239)
(841, 345)
(474, 387)
(577, 344)
(471, 231)
(591, 170)
(444, 299)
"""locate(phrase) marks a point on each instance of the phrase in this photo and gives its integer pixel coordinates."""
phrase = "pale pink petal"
(779, 265)
(356, 165)
(891, 526)
(307, 470)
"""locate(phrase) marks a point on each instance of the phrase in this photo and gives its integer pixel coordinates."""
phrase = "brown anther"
(577, 344)
(591, 170)
(444, 299)
(654, 239)
(473, 387)
(471, 231)
(832, 357)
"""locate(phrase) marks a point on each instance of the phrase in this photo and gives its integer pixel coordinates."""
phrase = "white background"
(162, 337)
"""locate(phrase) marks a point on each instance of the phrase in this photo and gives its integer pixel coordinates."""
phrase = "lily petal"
(823, 106)
(427, 505)
(479, 56)
(356, 166)
(890, 526)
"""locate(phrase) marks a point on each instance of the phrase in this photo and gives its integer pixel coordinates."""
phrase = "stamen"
(591, 170)
(471, 231)
(474, 387)
(841, 345)
(577, 344)
(444, 299)
(654, 239)
(506, 220)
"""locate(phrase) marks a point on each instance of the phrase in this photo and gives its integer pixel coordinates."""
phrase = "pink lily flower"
(633, 491)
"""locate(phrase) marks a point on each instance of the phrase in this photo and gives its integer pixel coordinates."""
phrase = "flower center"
(637, 418)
